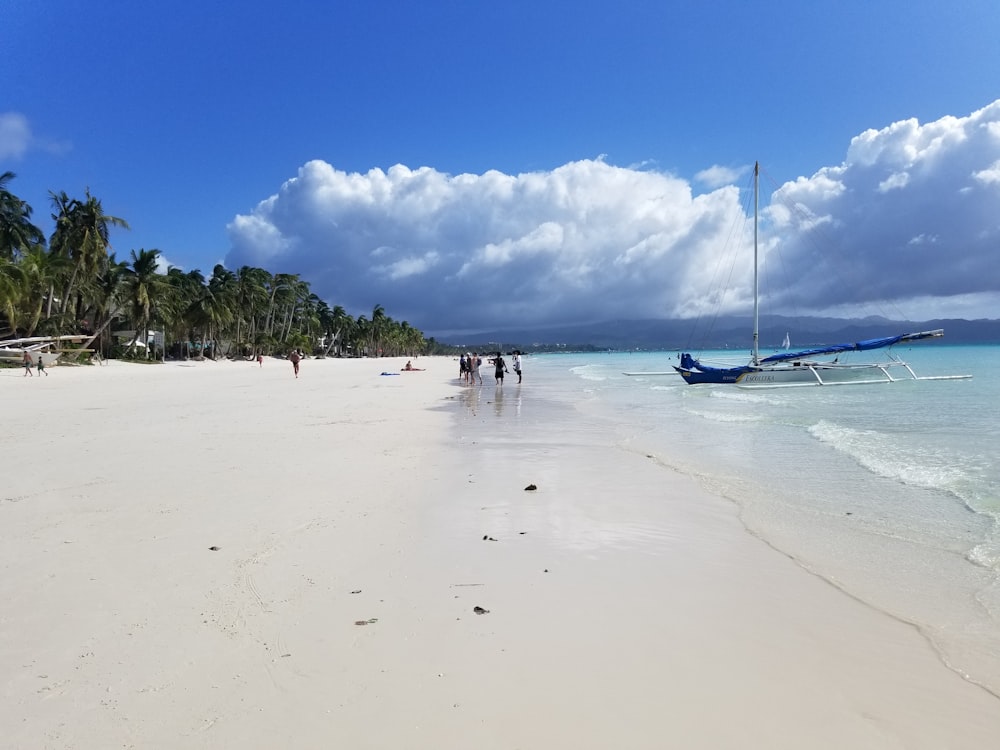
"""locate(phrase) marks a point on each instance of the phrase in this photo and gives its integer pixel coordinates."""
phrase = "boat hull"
(16, 357)
(711, 377)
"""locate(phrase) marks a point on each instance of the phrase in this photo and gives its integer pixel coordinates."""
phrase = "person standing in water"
(516, 361)
(476, 363)
(501, 368)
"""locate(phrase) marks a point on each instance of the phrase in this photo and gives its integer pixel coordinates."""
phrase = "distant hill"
(731, 332)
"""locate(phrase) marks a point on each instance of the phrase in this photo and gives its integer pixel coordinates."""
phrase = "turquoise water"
(891, 492)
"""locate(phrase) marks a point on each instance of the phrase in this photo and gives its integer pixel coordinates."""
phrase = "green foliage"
(77, 285)
(17, 233)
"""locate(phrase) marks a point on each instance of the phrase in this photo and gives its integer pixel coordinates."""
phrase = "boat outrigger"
(800, 368)
(47, 347)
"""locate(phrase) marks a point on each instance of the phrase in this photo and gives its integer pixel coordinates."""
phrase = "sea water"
(890, 492)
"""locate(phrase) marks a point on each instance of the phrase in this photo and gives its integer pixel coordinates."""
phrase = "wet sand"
(623, 605)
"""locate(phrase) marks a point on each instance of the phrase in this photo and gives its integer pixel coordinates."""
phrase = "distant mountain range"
(731, 332)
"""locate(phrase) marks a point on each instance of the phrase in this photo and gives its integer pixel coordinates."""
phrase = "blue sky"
(471, 164)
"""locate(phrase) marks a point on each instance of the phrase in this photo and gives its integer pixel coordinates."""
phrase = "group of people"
(27, 365)
(470, 362)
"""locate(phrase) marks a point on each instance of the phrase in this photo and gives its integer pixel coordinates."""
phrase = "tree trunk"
(98, 332)
(333, 343)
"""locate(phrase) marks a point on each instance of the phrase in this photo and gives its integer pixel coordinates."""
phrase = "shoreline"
(627, 605)
(894, 529)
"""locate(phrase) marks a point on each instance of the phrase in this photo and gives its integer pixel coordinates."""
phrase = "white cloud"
(15, 135)
(895, 181)
(405, 267)
(582, 242)
(909, 215)
(990, 175)
(17, 138)
(912, 216)
(716, 176)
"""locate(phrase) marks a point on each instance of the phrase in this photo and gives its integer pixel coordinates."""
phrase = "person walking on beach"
(474, 372)
(516, 362)
(260, 359)
(501, 368)
(26, 359)
(294, 357)
(41, 366)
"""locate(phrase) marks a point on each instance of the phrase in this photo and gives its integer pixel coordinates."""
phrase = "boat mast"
(756, 310)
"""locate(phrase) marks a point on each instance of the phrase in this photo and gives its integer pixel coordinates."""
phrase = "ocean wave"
(723, 416)
(986, 555)
(931, 468)
(744, 396)
(588, 372)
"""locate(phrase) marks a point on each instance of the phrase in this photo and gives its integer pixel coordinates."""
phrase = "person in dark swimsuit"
(501, 368)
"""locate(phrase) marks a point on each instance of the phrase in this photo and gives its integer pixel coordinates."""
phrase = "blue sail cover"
(859, 346)
(690, 363)
(695, 373)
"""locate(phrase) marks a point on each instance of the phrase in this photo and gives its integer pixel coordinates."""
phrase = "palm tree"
(281, 293)
(82, 234)
(144, 292)
(17, 233)
(222, 288)
(105, 307)
(250, 298)
(186, 289)
(309, 317)
(209, 314)
(360, 332)
(12, 289)
(411, 339)
(40, 272)
(377, 329)
(77, 284)
(337, 325)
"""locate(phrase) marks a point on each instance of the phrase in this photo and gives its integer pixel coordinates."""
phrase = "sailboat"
(801, 368)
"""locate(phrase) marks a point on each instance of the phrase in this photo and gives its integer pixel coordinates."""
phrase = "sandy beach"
(218, 555)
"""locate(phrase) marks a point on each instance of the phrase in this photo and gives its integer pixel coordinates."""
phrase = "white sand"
(634, 612)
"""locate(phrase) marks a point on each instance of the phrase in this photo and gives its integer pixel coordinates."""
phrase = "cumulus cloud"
(163, 264)
(909, 218)
(584, 242)
(909, 215)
